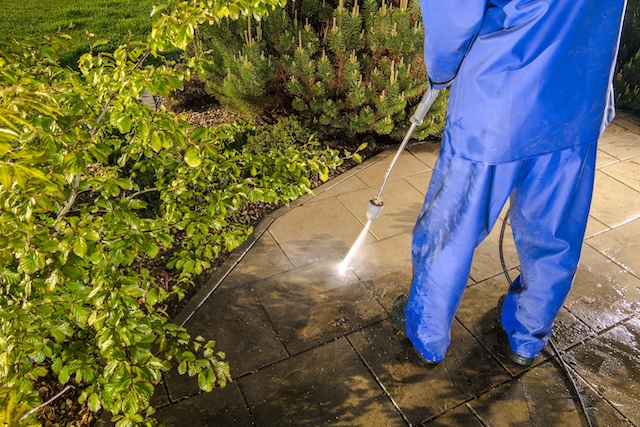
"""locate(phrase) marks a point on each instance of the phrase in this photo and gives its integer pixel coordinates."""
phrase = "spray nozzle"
(374, 208)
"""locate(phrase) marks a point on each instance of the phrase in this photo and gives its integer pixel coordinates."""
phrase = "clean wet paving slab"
(611, 364)
(315, 304)
(614, 203)
(621, 245)
(313, 232)
(604, 294)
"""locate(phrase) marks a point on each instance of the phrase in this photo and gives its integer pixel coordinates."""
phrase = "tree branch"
(147, 190)
(70, 201)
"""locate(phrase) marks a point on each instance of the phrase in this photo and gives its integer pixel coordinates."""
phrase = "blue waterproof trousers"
(550, 198)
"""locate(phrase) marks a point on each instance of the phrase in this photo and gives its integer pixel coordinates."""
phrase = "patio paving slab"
(385, 268)
(603, 293)
(328, 385)
(316, 231)
(540, 397)
(614, 203)
(263, 260)
(627, 173)
(621, 245)
(316, 304)
(424, 391)
(221, 407)
(611, 365)
(407, 165)
(460, 416)
(619, 141)
(237, 313)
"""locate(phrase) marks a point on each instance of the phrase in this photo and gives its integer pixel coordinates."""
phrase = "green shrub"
(287, 133)
(628, 83)
(78, 155)
(346, 69)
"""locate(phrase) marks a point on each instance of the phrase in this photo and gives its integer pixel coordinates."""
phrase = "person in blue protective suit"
(531, 92)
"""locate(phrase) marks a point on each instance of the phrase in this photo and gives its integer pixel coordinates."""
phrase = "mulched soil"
(200, 110)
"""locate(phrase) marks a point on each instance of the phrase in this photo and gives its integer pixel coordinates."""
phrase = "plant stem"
(147, 190)
(64, 390)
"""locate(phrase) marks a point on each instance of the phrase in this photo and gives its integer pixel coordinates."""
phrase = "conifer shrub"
(628, 83)
(628, 74)
(342, 67)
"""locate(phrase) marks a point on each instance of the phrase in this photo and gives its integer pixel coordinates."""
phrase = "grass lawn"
(107, 19)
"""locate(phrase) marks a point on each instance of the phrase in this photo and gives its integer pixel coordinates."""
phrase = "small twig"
(64, 390)
(70, 201)
(148, 190)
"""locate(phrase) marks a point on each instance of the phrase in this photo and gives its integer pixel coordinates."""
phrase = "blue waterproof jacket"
(529, 76)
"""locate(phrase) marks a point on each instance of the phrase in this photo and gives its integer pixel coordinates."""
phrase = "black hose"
(566, 368)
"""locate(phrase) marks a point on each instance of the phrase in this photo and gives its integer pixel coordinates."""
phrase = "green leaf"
(32, 262)
(79, 313)
(72, 272)
(144, 389)
(5, 147)
(6, 177)
(198, 133)
(152, 250)
(192, 156)
(131, 403)
(73, 162)
(37, 372)
(49, 246)
(94, 402)
(64, 376)
(206, 379)
(80, 247)
(125, 183)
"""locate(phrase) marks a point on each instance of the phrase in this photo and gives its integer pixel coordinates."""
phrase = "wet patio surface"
(311, 347)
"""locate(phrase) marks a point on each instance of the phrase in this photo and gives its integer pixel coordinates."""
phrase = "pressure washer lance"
(376, 204)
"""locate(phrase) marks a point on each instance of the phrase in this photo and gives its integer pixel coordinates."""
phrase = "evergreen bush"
(341, 68)
(628, 74)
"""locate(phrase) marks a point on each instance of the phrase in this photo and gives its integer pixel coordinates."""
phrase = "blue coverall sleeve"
(449, 26)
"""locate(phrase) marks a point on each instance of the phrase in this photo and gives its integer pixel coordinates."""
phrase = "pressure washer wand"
(376, 204)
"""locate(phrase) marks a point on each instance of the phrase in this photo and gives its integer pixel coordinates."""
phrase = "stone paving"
(309, 346)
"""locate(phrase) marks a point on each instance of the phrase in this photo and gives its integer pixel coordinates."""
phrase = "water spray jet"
(375, 205)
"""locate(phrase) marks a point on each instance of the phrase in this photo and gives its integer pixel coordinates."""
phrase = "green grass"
(107, 19)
